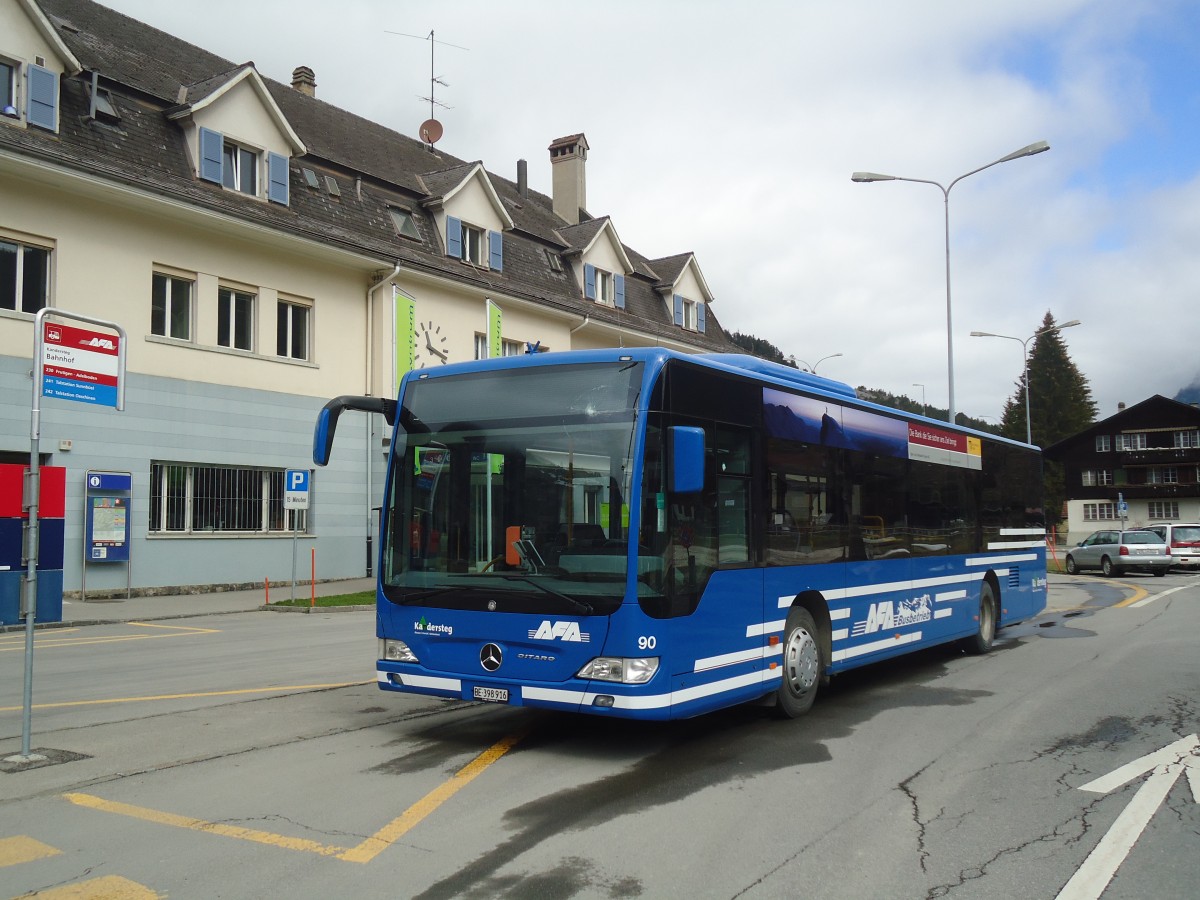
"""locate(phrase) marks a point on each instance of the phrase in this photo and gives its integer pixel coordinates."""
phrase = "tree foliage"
(1060, 405)
(761, 348)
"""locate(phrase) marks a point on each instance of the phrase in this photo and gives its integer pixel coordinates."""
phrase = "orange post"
(313, 601)
(267, 591)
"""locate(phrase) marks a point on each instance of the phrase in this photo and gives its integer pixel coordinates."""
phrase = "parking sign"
(295, 489)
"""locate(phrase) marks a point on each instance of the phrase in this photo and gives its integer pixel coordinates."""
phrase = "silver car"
(1115, 552)
(1184, 541)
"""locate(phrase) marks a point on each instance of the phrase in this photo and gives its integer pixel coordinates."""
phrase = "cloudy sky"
(732, 129)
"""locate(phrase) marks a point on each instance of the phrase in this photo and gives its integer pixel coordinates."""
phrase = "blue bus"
(654, 535)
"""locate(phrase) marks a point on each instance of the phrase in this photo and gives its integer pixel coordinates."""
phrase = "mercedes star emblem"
(490, 657)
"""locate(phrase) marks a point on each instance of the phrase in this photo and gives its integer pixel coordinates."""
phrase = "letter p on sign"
(295, 489)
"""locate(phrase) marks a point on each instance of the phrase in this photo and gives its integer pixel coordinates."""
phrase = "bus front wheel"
(802, 665)
(985, 634)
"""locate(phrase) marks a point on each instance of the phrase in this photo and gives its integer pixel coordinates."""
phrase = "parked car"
(1183, 540)
(1115, 552)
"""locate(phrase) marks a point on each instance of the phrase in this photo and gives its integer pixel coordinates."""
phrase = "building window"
(1162, 475)
(507, 347)
(189, 499)
(1164, 509)
(239, 169)
(472, 244)
(171, 307)
(1185, 439)
(24, 277)
(1103, 443)
(1136, 441)
(604, 287)
(1097, 512)
(291, 330)
(8, 89)
(1096, 477)
(554, 261)
(406, 226)
(235, 319)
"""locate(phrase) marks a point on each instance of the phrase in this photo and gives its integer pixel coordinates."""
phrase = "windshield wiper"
(582, 607)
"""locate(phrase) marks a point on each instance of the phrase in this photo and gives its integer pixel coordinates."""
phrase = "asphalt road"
(250, 755)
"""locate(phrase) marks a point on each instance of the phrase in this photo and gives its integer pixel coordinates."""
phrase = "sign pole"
(295, 498)
(32, 489)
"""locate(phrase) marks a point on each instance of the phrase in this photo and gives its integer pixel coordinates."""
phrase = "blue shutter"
(42, 108)
(589, 281)
(211, 164)
(277, 178)
(495, 251)
(700, 317)
(454, 237)
(619, 290)
(679, 309)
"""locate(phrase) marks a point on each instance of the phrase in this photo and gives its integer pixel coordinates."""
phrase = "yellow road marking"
(363, 853)
(1138, 594)
(22, 849)
(56, 639)
(109, 887)
(192, 696)
(401, 825)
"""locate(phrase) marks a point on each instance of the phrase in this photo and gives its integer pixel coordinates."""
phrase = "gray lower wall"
(170, 420)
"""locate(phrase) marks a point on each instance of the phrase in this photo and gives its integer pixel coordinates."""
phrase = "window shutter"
(700, 317)
(42, 108)
(277, 178)
(679, 309)
(211, 145)
(495, 251)
(589, 281)
(454, 237)
(619, 290)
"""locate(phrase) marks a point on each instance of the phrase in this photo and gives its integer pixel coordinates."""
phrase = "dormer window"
(603, 286)
(239, 169)
(473, 245)
(235, 167)
(689, 314)
(8, 89)
(405, 225)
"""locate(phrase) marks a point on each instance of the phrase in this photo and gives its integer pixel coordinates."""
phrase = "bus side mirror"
(685, 454)
(328, 416)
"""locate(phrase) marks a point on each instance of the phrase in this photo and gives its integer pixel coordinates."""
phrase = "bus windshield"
(510, 490)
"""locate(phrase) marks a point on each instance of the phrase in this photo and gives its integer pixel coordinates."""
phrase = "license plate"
(490, 694)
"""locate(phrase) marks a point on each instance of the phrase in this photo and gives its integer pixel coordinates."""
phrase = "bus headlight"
(396, 651)
(626, 670)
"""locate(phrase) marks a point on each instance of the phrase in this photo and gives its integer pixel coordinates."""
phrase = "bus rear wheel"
(802, 665)
(985, 634)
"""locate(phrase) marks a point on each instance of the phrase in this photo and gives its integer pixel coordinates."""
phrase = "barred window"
(193, 499)
(1164, 509)
(1095, 512)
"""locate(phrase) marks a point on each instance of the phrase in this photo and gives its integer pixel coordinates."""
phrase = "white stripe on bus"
(1007, 531)
(738, 656)
(654, 701)
(942, 613)
(863, 649)
(423, 681)
(944, 596)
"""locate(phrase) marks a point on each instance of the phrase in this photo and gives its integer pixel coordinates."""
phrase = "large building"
(265, 251)
(1147, 456)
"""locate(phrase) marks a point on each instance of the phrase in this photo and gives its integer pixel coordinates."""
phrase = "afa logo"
(887, 615)
(105, 343)
(1038, 583)
(560, 631)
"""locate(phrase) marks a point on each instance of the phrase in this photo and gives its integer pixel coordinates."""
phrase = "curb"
(312, 609)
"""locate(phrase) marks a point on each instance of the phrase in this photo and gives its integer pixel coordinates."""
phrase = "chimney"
(568, 156)
(304, 80)
(1121, 406)
(522, 178)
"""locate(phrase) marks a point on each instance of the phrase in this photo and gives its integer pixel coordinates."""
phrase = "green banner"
(493, 329)
(406, 321)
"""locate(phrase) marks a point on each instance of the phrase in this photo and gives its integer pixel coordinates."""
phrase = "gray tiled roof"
(145, 68)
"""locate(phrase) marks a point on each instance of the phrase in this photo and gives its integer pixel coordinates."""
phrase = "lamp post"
(812, 370)
(1024, 342)
(862, 177)
(922, 387)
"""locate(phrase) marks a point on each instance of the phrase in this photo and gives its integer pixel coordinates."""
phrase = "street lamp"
(922, 387)
(1025, 361)
(812, 370)
(1031, 150)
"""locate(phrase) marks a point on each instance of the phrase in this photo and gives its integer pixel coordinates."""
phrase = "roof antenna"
(431, 129)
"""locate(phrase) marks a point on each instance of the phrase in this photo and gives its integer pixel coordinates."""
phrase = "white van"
(1183, 541)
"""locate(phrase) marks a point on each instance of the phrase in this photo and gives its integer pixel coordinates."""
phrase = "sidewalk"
(140, 609)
